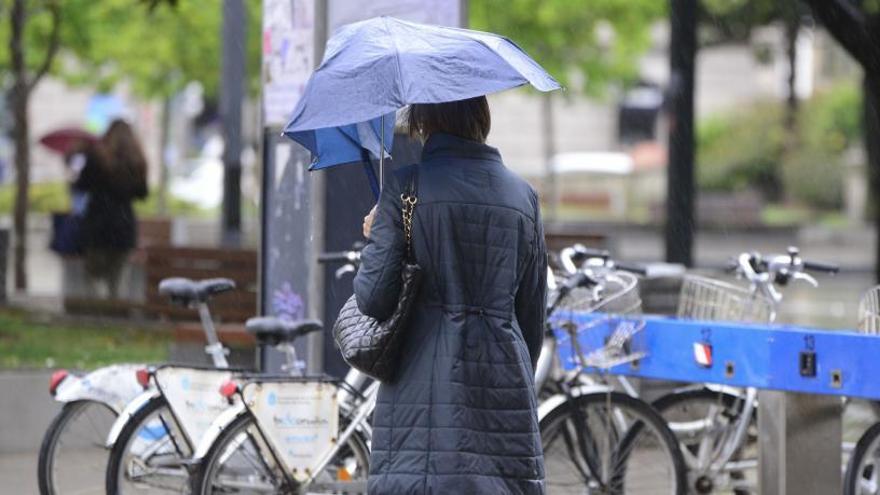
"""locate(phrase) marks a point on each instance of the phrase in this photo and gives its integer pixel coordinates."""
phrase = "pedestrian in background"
(113, 175)
(460, 415)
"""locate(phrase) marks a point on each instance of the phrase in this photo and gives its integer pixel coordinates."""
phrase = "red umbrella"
(65, 140)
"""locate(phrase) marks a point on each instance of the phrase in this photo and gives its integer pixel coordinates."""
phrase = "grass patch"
(26, 342)
(48, 197)
(777, 215)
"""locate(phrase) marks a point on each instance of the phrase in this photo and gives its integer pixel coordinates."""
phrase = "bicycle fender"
(219, 424)
(557, 400)
(133, 407)
(114, 386)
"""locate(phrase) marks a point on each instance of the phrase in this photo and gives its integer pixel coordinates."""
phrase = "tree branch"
(849, 26)
(52, 49)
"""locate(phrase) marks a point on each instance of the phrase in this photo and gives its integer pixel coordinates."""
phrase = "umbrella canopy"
(376, 67)
(65, 140)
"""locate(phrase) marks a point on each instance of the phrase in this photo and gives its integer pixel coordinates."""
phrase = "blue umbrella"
(373, 68)
(348, 144)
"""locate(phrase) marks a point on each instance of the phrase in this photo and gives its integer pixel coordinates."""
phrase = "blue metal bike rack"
(775, 357)
(800, 370)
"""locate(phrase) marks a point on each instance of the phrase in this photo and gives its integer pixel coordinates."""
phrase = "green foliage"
(734, 20)
(32, 343)
(48, 197)
(749, 148)
(44, 198)
(741, 150)
(829, 124)
(158, 51)
(567, 36)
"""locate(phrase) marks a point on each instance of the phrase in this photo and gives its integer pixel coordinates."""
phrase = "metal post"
(231, 97)
(318, 191)
(382, 152)
(680, 170)
(800, 436)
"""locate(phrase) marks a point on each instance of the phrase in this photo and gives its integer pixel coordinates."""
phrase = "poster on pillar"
(288, 56)
(286, 257)
(440, 12)
(287, 252)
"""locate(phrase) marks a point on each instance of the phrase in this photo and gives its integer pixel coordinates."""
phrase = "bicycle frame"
(214, 349)
(760, 284)
(115, 386)
(352, 404)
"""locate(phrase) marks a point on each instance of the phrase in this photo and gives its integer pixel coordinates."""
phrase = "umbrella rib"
(396, 60)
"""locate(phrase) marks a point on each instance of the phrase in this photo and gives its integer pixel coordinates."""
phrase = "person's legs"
(115, 264)
(93, 261)
(106, 265)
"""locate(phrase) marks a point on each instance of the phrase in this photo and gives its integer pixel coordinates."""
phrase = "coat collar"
(447, 145)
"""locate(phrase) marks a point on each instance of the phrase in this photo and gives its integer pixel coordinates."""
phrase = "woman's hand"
(368, 222)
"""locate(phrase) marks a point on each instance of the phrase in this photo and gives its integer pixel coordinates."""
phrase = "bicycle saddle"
(274, 330)
(184, 291)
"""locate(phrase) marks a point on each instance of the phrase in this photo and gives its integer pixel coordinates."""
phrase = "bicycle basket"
(869, 312)
(704, 298)
(605, 329)
(620, 296)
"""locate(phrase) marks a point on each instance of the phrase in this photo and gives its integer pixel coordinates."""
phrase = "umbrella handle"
(371, 174)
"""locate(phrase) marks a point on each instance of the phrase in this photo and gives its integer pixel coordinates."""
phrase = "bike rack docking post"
(799, 443)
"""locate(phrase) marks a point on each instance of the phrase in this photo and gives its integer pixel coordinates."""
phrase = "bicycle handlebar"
(344, 256)
(632, 268)
(816, 266)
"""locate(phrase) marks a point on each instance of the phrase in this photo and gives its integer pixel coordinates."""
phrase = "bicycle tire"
(121, 446)
(856, 467)
(200, 482)
(647, 420)
(49, 445)
(730, 402)
(204, 470)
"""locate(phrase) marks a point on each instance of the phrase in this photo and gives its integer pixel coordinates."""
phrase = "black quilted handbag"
(373, 346)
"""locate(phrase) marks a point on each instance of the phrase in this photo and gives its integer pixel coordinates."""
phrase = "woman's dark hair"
(468, 119)
(125, 158)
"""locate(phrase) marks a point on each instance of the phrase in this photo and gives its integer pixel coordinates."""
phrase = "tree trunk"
(548, 131)
(18, 99)
(773, 187)
(871, 116)
(21, 138)
(163, 156)
(680, 187)
(792, 26)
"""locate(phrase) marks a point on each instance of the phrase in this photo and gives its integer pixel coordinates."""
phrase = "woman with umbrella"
(460, 414)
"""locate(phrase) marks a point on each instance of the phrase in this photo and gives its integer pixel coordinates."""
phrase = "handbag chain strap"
(409, 207)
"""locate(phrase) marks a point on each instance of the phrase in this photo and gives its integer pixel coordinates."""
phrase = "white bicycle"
(73, 454)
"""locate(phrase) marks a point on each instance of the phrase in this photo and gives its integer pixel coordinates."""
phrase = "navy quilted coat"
(461, 415)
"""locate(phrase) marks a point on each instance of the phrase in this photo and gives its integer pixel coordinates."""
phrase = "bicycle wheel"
(240, 461)
(149, 455)
(610, 443)
(861, 476)
(73, 453)
(705, 421)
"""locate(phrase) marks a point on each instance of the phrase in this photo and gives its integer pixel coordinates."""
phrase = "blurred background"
(689, 131)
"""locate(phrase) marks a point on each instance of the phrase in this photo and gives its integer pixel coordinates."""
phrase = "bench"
(78, 300)
(230, 310)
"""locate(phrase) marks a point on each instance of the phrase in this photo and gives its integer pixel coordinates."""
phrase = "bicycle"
(74, 450)
(861, 476)
(265, 444)
(597, 440)
(153, 439)
(716, 425)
